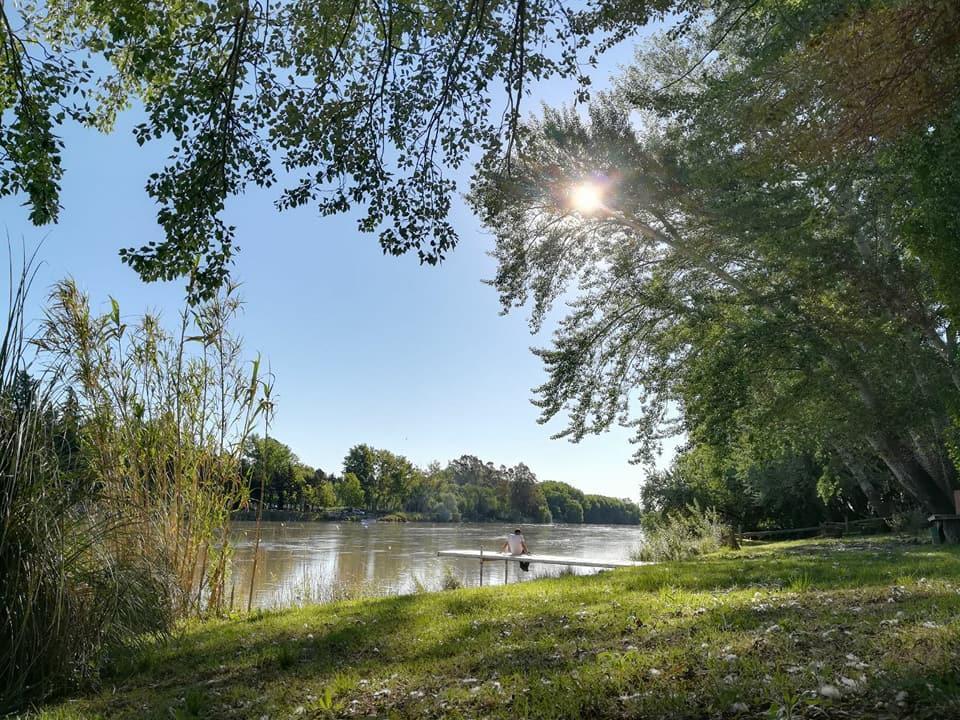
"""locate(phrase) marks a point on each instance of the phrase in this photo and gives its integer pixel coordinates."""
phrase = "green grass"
(803, 629)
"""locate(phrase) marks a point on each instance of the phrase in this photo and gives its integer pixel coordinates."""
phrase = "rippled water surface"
(307, 562)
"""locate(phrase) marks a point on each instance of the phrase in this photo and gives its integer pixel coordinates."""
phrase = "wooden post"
(506, 571)
(481, 566)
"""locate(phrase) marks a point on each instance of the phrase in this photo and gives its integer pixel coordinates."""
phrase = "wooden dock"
(486, 556)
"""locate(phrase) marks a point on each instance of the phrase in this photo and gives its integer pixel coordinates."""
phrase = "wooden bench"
(946, 528)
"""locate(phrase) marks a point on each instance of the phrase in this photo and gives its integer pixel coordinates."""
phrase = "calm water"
(310, 562)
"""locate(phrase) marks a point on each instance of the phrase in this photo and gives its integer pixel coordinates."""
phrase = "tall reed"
(120, 466)
(63, 595)
(166, 419)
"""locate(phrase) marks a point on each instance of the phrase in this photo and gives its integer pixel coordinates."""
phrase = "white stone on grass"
(830, 691)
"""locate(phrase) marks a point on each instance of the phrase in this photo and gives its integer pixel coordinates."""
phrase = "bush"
(397, 517)
(910, 522)
(680, 536)
(450, 580)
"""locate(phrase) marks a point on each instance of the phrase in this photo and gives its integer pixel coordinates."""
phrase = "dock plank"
(542, 559)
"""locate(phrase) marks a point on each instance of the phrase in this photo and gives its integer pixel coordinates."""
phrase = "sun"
(586, 198)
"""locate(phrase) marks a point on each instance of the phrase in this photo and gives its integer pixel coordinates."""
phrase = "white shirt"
(515, 542)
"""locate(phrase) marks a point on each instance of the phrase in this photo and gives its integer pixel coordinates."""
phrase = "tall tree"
(350, 491)
(396, 475)
(278, 465)
(526, 495)
(361, 463)
(772, 298)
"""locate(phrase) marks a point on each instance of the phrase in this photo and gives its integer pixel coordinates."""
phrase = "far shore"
(344, 514)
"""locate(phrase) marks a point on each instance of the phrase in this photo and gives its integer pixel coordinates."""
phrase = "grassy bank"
(803, 629)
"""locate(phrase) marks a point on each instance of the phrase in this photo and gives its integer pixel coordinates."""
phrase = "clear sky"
(365, 347)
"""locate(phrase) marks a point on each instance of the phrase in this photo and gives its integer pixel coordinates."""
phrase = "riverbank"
(334, 514)
(825, 628)
(340, 514)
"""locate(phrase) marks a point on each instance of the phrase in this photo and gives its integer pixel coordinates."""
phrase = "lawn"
(838, 629)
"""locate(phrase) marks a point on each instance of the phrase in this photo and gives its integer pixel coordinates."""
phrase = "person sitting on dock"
(516, 545)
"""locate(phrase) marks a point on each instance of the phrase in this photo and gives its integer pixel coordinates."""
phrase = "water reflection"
(309, 562)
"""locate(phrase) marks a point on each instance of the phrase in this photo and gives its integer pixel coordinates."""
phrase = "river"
(305, 562)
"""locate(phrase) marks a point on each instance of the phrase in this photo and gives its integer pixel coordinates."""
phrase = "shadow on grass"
(259, 651)
(554, 627)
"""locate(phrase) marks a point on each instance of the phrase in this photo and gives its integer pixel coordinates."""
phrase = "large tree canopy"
(340, 103)
(786, 301)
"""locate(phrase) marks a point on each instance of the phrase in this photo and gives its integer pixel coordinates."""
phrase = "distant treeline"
(466, 489)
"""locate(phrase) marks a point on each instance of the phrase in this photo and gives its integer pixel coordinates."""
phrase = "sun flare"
(586, 198)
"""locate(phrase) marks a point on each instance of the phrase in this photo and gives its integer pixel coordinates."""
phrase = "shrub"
(910, 522)
(397, 517)
(680, 536)
(450, 580)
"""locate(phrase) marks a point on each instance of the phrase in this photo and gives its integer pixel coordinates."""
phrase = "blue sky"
(364, 347)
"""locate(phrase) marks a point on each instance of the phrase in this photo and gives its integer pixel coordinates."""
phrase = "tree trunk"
(911, 474)
(879, 505)
(934, 462)
(927, 489)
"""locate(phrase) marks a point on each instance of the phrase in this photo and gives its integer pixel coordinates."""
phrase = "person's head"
(517, 532)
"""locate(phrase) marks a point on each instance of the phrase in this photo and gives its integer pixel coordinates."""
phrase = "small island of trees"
(382, 482)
